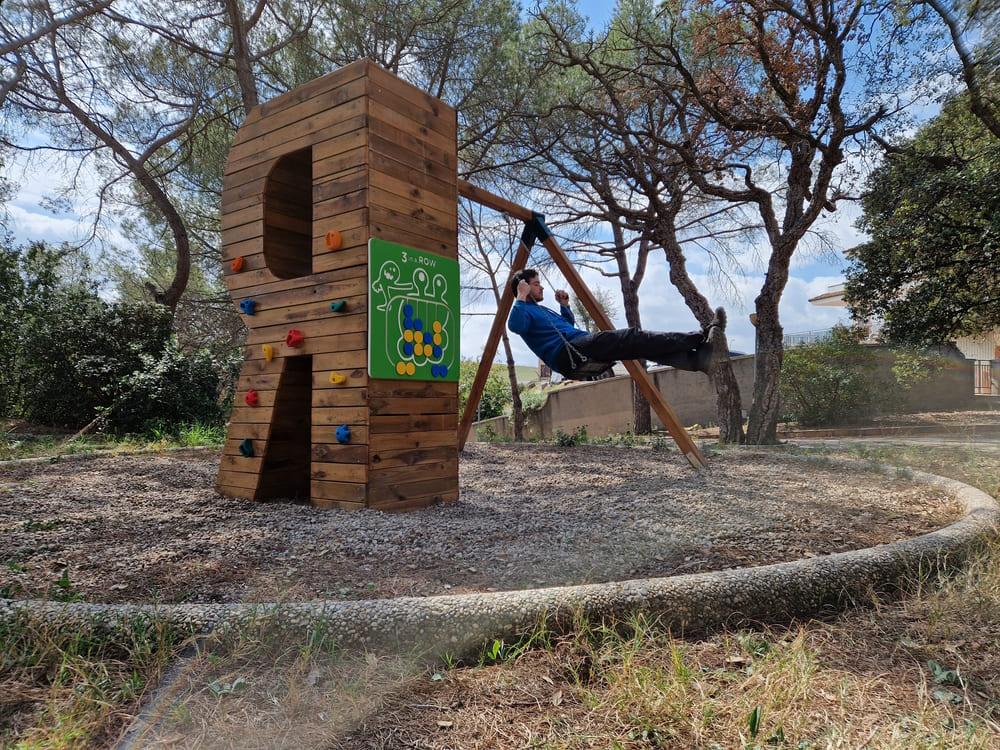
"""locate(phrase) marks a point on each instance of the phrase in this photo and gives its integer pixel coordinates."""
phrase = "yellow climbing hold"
(337, 378)
(410, 368)
(407, 335)
(437, 326)
(437, 339)
(400, 368)
(268, 352)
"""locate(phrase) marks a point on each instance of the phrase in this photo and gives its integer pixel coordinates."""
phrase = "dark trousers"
(665, 348)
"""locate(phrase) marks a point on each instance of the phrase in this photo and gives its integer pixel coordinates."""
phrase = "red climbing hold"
(294, 338)
(237, 264)
(252, 398)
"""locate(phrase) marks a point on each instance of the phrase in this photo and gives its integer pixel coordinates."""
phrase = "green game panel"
(413, 314)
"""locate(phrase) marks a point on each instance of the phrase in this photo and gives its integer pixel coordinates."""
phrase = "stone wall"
(605, 407)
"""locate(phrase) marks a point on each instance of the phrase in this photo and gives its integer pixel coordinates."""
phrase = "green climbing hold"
(246, 448)
(339, 306)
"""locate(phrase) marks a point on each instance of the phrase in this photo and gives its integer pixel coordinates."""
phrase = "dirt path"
(151, 529)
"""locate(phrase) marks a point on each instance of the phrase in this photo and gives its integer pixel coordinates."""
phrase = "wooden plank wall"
(383, 164)
(413, 200)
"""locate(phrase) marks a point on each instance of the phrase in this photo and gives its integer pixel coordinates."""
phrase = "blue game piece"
(418, 325)
(437, 351)
(434, 371)
(408, 311)
(408, 349)
(343, 434)
(407, 323)
(444, 371)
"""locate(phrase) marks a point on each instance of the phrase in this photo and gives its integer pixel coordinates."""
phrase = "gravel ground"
(151, 528)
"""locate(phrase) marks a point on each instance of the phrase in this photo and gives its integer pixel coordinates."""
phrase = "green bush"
(496, 395)
(831, 382)
(74, 356)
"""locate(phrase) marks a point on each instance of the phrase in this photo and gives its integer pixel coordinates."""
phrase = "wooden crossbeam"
(580, 288)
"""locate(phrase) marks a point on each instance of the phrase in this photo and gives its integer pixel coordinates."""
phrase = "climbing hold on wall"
(246, 448)
(334, 240)
(247, 306)
(337, 378)
(339, 306)
(268, 352)
(252, 398)
(294, 338)
(237, 264)
(343, 434)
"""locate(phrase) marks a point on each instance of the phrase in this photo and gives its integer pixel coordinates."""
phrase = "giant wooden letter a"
(311, 177)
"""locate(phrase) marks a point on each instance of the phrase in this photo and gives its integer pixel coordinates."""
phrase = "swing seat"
(591, 369)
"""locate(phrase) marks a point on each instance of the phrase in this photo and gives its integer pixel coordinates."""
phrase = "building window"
(986, 378)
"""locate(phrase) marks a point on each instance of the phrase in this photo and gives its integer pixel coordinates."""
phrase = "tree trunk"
(762, 428)
(642, 423)
(728, 401)
(517, 411)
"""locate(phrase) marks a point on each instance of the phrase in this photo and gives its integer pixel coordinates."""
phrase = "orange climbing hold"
(237, 264)
(334, 240)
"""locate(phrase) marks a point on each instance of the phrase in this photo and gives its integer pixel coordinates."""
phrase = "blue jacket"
(540, 328)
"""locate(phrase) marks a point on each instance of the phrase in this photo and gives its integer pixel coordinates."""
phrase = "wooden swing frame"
(536, 229)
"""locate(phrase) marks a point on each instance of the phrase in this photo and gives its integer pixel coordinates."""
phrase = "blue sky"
(661, 306)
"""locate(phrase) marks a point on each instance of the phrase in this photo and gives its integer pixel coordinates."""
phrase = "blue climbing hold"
(247, 306)
(343, 434)
(339, 306)
(246, 448)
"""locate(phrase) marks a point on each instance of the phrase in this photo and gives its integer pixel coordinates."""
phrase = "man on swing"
(565, 348)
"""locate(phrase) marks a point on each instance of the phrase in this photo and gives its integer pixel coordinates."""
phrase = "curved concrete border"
(83, 456)
(459, 623)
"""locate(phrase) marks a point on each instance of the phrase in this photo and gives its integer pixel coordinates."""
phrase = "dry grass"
(62, 688)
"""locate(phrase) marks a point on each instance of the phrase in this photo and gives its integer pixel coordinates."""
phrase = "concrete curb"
(458, 624)
(61, 457)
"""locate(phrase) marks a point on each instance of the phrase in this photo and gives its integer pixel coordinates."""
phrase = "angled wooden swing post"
(576, 282)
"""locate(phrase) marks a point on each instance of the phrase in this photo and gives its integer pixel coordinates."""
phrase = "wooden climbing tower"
(312, 176)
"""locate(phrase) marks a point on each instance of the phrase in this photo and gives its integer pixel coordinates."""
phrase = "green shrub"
(830, 382)
(532, 400)
(568, 440)
(496, 394)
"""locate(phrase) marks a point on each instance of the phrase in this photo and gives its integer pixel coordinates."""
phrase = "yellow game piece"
(437, 326)
(437, 339)
(419, 337)
(268, 352)
(337, 378)
(400, 368)
(407, 335)
(410, 368)
(418, 350)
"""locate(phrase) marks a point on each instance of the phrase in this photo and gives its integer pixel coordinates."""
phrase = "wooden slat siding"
(237, 482)
(384, 182)
(321, 292)
(397, 492)
(343, 104)
(325, 504)
(413, 440)
(350, 161)
(338, 415)
(383, 406)
(342, 204)
(326, 434)
(399, 171)
(294, 314)
(403, 506)
(394, 234)
(383, 79)
(392, 459)
(418, 144)
(413, 160)
(241, 430)
(340, 396)
(353, 492)
(411, 389)
(252, 283)
(402, 423)
(339, 472)
(383, 110)
(285, 469)
(338, 187)
(340, 259)
(358, 377)
(355, 138)
(301, 102)
(434, 232)
(387, 476)
(352, 453)
(391, 201)
(243, 195)
(330, 326)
